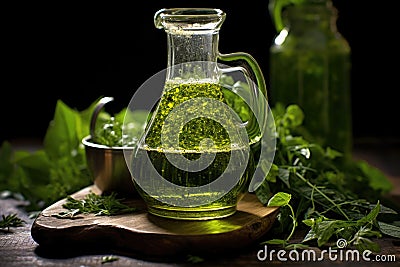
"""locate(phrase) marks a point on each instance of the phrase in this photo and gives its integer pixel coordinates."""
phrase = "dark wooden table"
(17, 248)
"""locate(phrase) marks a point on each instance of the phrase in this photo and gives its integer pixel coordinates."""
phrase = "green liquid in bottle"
(310, 66)
(319, 83)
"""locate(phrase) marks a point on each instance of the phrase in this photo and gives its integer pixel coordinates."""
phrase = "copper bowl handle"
(96, 112)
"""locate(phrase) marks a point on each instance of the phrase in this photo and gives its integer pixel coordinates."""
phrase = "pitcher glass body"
(195, 158)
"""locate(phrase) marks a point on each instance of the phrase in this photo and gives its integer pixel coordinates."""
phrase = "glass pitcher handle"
(260, 125)
(258, 90)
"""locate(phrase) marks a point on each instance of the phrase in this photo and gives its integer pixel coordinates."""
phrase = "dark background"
(78, 53)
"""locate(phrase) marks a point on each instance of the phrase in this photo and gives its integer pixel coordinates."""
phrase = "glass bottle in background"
(310, 65)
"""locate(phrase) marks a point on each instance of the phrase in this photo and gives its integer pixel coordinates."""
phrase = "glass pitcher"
(195, 158)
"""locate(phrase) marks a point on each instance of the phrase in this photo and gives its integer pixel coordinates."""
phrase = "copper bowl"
(107, 165)
(108, 168)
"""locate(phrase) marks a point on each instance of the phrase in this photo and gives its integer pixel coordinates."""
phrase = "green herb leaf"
(377, 180)
(279, 199)
(389, 229)
(371, 216)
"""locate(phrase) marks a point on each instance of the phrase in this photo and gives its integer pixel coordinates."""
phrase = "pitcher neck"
(192, 55)
(192, 35)
(183, 48)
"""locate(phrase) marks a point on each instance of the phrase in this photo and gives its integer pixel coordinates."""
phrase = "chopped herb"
(106, 259)
(11, 220)
(194, 259)
(96, 204)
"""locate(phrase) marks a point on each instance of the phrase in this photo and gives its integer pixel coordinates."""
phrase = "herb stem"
(337, 205)
(294, 223)
(312, 199)
(322, 194)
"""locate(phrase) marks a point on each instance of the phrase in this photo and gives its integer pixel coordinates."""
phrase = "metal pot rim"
(86, 141)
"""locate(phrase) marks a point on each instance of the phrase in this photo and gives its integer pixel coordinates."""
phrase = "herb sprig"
(96, 204)
(11, 220)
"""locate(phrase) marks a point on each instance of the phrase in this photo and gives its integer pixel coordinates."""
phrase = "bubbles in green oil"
(193, 132)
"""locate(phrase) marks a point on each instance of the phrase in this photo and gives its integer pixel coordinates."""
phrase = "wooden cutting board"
(141, 233)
